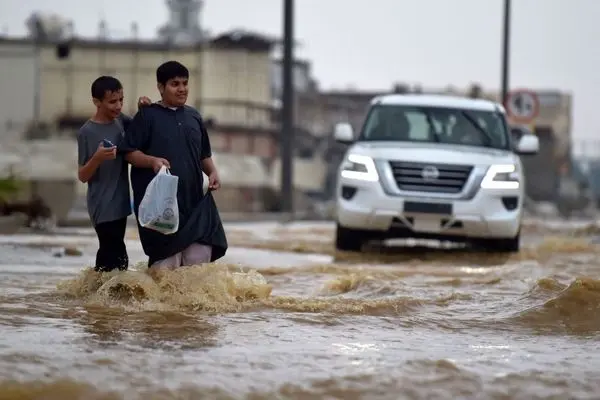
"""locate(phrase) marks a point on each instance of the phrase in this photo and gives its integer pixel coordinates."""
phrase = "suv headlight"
(360, 168)
(501, 176)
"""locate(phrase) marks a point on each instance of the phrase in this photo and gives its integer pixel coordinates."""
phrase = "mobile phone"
(107, 143)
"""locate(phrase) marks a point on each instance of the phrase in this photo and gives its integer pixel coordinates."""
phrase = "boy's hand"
(158, 163)
(144, 101)
(105, 153)
(214, 182)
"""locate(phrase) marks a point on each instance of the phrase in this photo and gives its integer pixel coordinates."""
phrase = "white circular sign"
(523, 105)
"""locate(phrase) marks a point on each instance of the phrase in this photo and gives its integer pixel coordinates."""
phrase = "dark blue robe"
(180, 137)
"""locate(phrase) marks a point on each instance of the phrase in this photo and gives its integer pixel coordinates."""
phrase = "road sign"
(522, 106)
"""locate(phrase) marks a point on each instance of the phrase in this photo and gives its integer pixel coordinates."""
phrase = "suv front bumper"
(484, 213)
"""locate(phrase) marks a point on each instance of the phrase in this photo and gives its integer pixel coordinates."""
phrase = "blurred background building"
(236, 83)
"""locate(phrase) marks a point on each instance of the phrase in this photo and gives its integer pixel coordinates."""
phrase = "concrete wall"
(309, 175)
(262, 144)
(17, 85)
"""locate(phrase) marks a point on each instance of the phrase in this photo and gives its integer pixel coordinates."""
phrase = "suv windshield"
(435, 124)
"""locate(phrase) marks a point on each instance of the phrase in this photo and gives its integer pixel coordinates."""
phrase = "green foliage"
(9, 187)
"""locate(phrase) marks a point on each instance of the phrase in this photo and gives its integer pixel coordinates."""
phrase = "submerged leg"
(112, 253)
(168, 263)
(197, 254)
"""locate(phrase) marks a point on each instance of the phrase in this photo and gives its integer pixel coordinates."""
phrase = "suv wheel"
(512, 245)
(348, 239)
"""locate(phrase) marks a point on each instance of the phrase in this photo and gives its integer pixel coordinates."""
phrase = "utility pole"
(287, 112)
(37, 79)
(505, 51)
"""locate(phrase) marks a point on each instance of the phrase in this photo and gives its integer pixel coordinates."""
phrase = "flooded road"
(285, 317)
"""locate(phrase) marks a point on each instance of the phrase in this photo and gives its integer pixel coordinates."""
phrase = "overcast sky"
(370, 44)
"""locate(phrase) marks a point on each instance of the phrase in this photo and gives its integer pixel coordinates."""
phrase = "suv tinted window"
(434, 124)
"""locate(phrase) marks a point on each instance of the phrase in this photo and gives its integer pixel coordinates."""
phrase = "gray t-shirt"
(108, 190)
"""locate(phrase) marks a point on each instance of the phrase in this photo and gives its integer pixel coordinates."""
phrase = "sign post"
(522, 106)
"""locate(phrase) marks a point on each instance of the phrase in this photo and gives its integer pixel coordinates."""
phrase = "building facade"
(230, 83)
(17, 81)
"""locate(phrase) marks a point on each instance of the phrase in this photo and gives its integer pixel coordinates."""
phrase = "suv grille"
(430, 177)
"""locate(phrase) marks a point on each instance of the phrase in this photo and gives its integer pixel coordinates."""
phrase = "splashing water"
(211, 288)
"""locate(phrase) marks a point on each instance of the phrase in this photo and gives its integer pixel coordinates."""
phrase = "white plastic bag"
(159, 210)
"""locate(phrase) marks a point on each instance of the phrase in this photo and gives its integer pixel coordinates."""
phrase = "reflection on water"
(412, 322)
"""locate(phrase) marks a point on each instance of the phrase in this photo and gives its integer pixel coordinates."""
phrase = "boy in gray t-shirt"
(105, 170)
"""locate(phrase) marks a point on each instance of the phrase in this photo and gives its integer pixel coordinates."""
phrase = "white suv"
(432, 167)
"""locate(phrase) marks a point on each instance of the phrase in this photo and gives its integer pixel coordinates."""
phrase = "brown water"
(263, 324)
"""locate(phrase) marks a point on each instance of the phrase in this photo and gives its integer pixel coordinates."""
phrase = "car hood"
(434, 152)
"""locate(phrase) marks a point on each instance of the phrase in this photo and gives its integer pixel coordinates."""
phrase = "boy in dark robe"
(170, 133)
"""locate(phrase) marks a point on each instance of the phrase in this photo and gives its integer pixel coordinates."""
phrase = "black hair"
(105, 84)
(171, 70)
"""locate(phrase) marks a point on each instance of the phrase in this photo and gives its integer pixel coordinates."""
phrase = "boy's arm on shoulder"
(88, 164)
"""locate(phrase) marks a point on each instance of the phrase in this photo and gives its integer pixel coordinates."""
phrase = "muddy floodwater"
(283, 316)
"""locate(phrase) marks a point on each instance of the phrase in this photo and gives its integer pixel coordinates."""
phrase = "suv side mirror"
(343, 133)
(528, 144)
